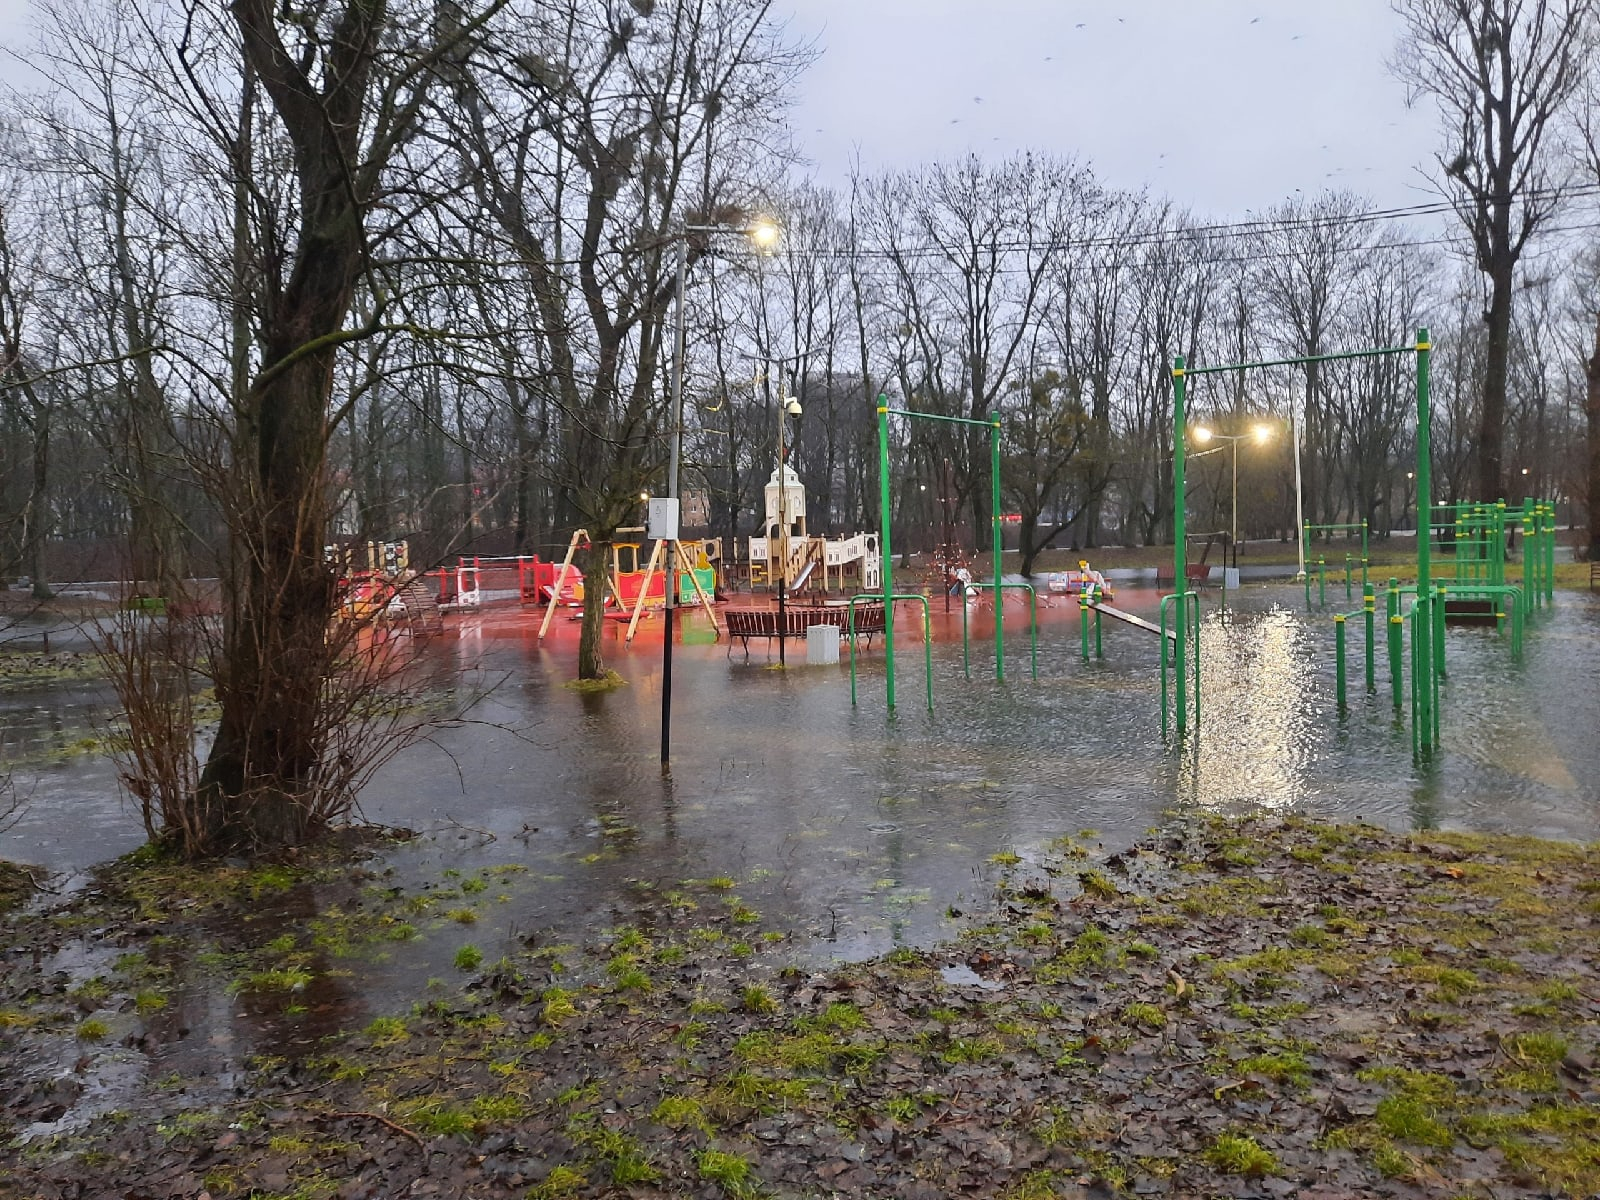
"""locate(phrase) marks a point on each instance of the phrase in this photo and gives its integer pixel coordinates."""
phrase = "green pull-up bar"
(887, 555)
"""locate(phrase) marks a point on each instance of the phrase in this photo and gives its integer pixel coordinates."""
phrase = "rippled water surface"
(854, 830)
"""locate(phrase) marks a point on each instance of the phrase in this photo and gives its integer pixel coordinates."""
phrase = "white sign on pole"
(663, 522)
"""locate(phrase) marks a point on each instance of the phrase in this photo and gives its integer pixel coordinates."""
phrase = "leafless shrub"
(155, 662)
(369, 703)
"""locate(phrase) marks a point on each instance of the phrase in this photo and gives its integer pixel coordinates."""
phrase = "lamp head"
(791, 407)
(1263, 434)
(1202, 434)
(764, 232)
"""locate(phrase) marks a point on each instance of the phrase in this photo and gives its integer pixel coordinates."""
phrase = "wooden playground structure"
(385, 590)
(786, 553)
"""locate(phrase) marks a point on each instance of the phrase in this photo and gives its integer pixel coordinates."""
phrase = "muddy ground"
(1232, 1008)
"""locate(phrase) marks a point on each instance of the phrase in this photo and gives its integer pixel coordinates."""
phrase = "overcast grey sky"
(13, 31)
(1227, 106)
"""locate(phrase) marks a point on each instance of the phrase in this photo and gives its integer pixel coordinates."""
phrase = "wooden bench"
(746, 623)
(1196, 573)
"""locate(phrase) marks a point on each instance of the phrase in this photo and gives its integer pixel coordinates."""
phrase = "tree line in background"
(274, 272)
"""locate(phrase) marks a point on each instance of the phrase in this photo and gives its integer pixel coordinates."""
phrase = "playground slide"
(1140, 622)
(800, 579)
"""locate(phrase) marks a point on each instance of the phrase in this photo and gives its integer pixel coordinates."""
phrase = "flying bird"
(1255, 20)
(1081, 25)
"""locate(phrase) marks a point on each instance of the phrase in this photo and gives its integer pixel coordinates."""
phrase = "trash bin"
(822, 644)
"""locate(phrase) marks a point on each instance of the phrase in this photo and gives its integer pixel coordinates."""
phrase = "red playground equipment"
(632, 587)
(638, 586)
(477, 580)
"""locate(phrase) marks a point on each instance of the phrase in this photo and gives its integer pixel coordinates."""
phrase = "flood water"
(851, 830)
(865, 825)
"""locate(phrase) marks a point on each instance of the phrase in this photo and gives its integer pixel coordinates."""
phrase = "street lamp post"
(788, 406)
(1260, 434)
(764, 234)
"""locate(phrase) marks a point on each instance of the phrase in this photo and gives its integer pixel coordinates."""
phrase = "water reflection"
(1260, 689)
(861, 831)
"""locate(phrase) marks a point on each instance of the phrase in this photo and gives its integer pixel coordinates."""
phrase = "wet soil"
(1245, 1007)
(16, 886)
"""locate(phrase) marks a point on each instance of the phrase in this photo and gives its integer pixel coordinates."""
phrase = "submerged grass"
(1128, 1036)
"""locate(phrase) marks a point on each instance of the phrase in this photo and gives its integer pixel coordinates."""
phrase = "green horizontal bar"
(1311, 358)
(906, 412)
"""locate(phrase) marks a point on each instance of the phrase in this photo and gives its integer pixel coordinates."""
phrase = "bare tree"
(970, 247)
(1589, 130)
(608, 127)
(1502, 73)
(1307, 271)
(346, 84)
(28, 398)
(1043, 471)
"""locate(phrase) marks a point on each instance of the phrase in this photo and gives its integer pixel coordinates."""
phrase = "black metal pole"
(672, 491)
(783, 533)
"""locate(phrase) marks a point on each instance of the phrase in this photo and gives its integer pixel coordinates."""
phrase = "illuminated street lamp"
(1261, 435)
(764, 234)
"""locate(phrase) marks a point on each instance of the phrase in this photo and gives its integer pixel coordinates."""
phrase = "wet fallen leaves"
(1232, 1008)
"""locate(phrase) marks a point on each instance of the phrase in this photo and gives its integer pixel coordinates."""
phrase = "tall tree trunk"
(260, 787)
(1492, 418)
(269, 740)
(1027, 534)
(521, 468)
(591, 660)
(1592, 407)
(36, 524)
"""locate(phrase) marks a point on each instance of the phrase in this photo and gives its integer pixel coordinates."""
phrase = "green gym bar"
(1180, 574)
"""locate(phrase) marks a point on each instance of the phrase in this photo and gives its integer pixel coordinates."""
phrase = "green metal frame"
(1426, 614)
(1180, 565)
(888, 632)
(1479, 544)
(1033, 625)
(887, 556)
(1085, 606)
(1367, 611)
(1322, 564)
(1176, 602)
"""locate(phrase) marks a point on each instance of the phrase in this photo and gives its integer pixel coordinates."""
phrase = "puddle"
(964, 976)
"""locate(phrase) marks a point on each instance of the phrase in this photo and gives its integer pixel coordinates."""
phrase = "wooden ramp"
(420, 606)
(1138, 622)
